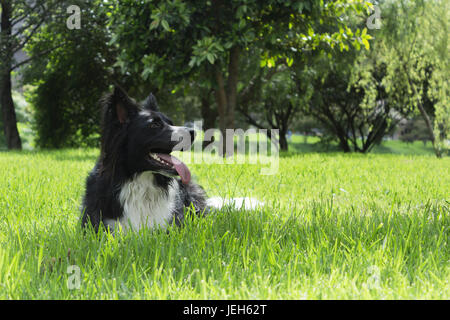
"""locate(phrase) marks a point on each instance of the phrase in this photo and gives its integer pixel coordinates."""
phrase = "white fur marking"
(145, 204)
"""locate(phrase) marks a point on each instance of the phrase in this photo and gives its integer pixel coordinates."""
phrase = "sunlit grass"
(334, 226)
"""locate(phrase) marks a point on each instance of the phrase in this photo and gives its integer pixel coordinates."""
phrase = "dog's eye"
(155, 123)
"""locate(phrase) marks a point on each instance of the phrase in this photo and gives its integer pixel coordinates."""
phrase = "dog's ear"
(150, 103)
(122, 105)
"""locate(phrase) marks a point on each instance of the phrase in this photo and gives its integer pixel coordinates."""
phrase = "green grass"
(335, 226)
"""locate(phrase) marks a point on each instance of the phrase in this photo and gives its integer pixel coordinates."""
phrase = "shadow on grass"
(55, 154)
(398, 147)
(386, 147)
(299, 148)
(75, 157)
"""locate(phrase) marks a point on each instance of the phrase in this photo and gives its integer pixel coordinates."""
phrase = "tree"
(274, 100)
(170, 40)
(307, 125)
(71, 78)
(20, 21)
(350, 104)
(414, 129)
(415, 42)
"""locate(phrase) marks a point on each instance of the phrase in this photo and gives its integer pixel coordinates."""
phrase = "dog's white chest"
(145, 204)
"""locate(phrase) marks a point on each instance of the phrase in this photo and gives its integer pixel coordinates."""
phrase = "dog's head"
(142, 137)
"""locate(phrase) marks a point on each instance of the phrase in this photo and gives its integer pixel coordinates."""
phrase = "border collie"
(136, 182)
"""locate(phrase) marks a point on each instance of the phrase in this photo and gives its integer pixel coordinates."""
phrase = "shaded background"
(312, 69)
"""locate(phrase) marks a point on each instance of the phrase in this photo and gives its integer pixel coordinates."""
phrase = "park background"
(358, 90)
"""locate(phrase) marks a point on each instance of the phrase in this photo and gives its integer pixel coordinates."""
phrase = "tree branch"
(40, 54)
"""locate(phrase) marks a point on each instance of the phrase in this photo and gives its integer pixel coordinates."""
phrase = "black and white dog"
(136, 182)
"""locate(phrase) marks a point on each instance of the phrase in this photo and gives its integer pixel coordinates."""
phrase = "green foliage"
(436, 40)
(205, 49)
(349, 101)
(177, 49)
(402, 74)
(275, 99)
(414, 44)
(26, 19)
(181, 37)
(208, 40)
(70, 80)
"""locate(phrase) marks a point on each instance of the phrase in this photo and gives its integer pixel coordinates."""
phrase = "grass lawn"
(335, 226)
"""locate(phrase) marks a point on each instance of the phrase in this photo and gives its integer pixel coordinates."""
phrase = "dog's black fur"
(129, 133)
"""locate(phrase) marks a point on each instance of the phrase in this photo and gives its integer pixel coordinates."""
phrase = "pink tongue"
(179, 166)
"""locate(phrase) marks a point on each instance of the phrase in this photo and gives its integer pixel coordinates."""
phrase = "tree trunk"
(338, 131)
(9, 114)
(232, 86)
(424, 114)
(283, 141)
(226, 98)
(429, 126)
(344, 145)
(209, 116)
(6, 102)
(221, 99)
